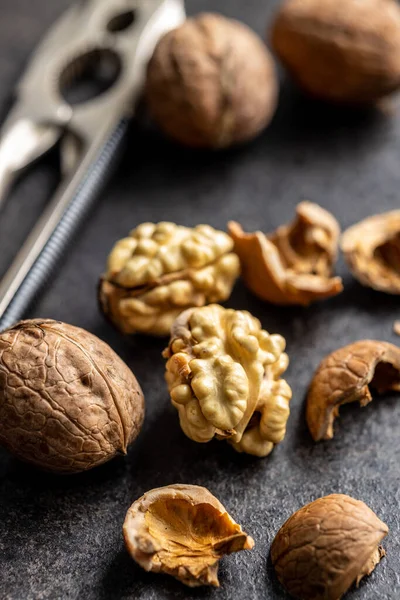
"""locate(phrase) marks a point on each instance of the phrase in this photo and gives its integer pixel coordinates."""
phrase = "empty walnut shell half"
(327, 546)
(211, 83)
(294, 264)
(224, 376)
(162, 269)
(345, 51)
(183, 531)
(372, 251)
(345, 376)
(67, 401)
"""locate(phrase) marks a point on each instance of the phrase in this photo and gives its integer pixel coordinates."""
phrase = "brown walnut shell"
(340, 50)
(211, 83)
(294, 264)
(326, 546)
(67, 401)
(345, 376)
(372, 251)
(183, 531)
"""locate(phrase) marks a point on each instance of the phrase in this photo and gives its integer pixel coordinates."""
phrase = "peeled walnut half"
(162, 269)
(294, 264)
(372, 251)
(183, 531)
(224, 376)
(327, 546)
(345, 376)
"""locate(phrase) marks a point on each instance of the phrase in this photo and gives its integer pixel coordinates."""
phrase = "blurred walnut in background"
(211, 83)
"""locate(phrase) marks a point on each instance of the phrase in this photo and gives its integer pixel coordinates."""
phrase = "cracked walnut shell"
(345, 51)
(224, 376)
(292, 265)
(211, 83)
(372, 251)
(162, 269)
(183, 531)
(67, 401)
(345, 376)
(327, 546)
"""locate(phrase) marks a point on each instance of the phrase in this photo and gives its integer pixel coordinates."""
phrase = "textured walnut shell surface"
(211, 83)
(345, 376)
(340, 50)
(67, 401)
(292, 265)
(372, 251)
(183, 531)
(326, 546)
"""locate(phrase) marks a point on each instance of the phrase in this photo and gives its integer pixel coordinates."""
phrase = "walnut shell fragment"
(162, 269)
(344, 51)
(327, 546)
(211, 83)
(294, 264)
(345, 376)
(372, 251)
(67, 401)
(223, 373)
(183, 531)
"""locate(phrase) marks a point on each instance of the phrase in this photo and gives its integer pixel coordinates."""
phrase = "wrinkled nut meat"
(345, 51)
(67, 401)
(372, 251)
(345, 376)
(182, 530)
(223, 373)
(211, 83)
(162, 269)
(294, 264)
(327, 546)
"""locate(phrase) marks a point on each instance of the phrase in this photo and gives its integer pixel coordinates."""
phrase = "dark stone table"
(60, 537)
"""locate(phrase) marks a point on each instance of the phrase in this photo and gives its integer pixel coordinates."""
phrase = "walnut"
(211, 83)
(67, 401)
(223, 373)
(182, 530)
(162, 269)
(345, 51)
(344, 376)
(294, 264)
(327, 546)
(372, 251)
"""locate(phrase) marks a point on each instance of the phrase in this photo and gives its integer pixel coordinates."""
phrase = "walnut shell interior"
(183, 531)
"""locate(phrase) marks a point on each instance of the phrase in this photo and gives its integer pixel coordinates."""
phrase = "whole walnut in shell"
(162, 269)
(340, 50)
(327, 546)
(211, 83)
(67, 401)
(224, 376)
(182, 530)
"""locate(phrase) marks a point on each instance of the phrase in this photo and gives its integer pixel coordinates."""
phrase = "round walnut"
(67, 401)
(162, 269)
(340, 50)
(211, 83)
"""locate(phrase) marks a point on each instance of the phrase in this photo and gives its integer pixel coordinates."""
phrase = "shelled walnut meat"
(183, 531)
(294, 264)
(327, 546)
(67, 401)
(345, 51)
(346, 376)
(372, 251)
(211, 83)
(224, 376)
(162, 269)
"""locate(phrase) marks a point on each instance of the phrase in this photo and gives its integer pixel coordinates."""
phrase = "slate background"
(60, 537)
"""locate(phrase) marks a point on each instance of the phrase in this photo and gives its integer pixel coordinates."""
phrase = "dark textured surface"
(61, 537)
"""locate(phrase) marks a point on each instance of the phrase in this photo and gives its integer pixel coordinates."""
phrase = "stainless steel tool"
(118, 37)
